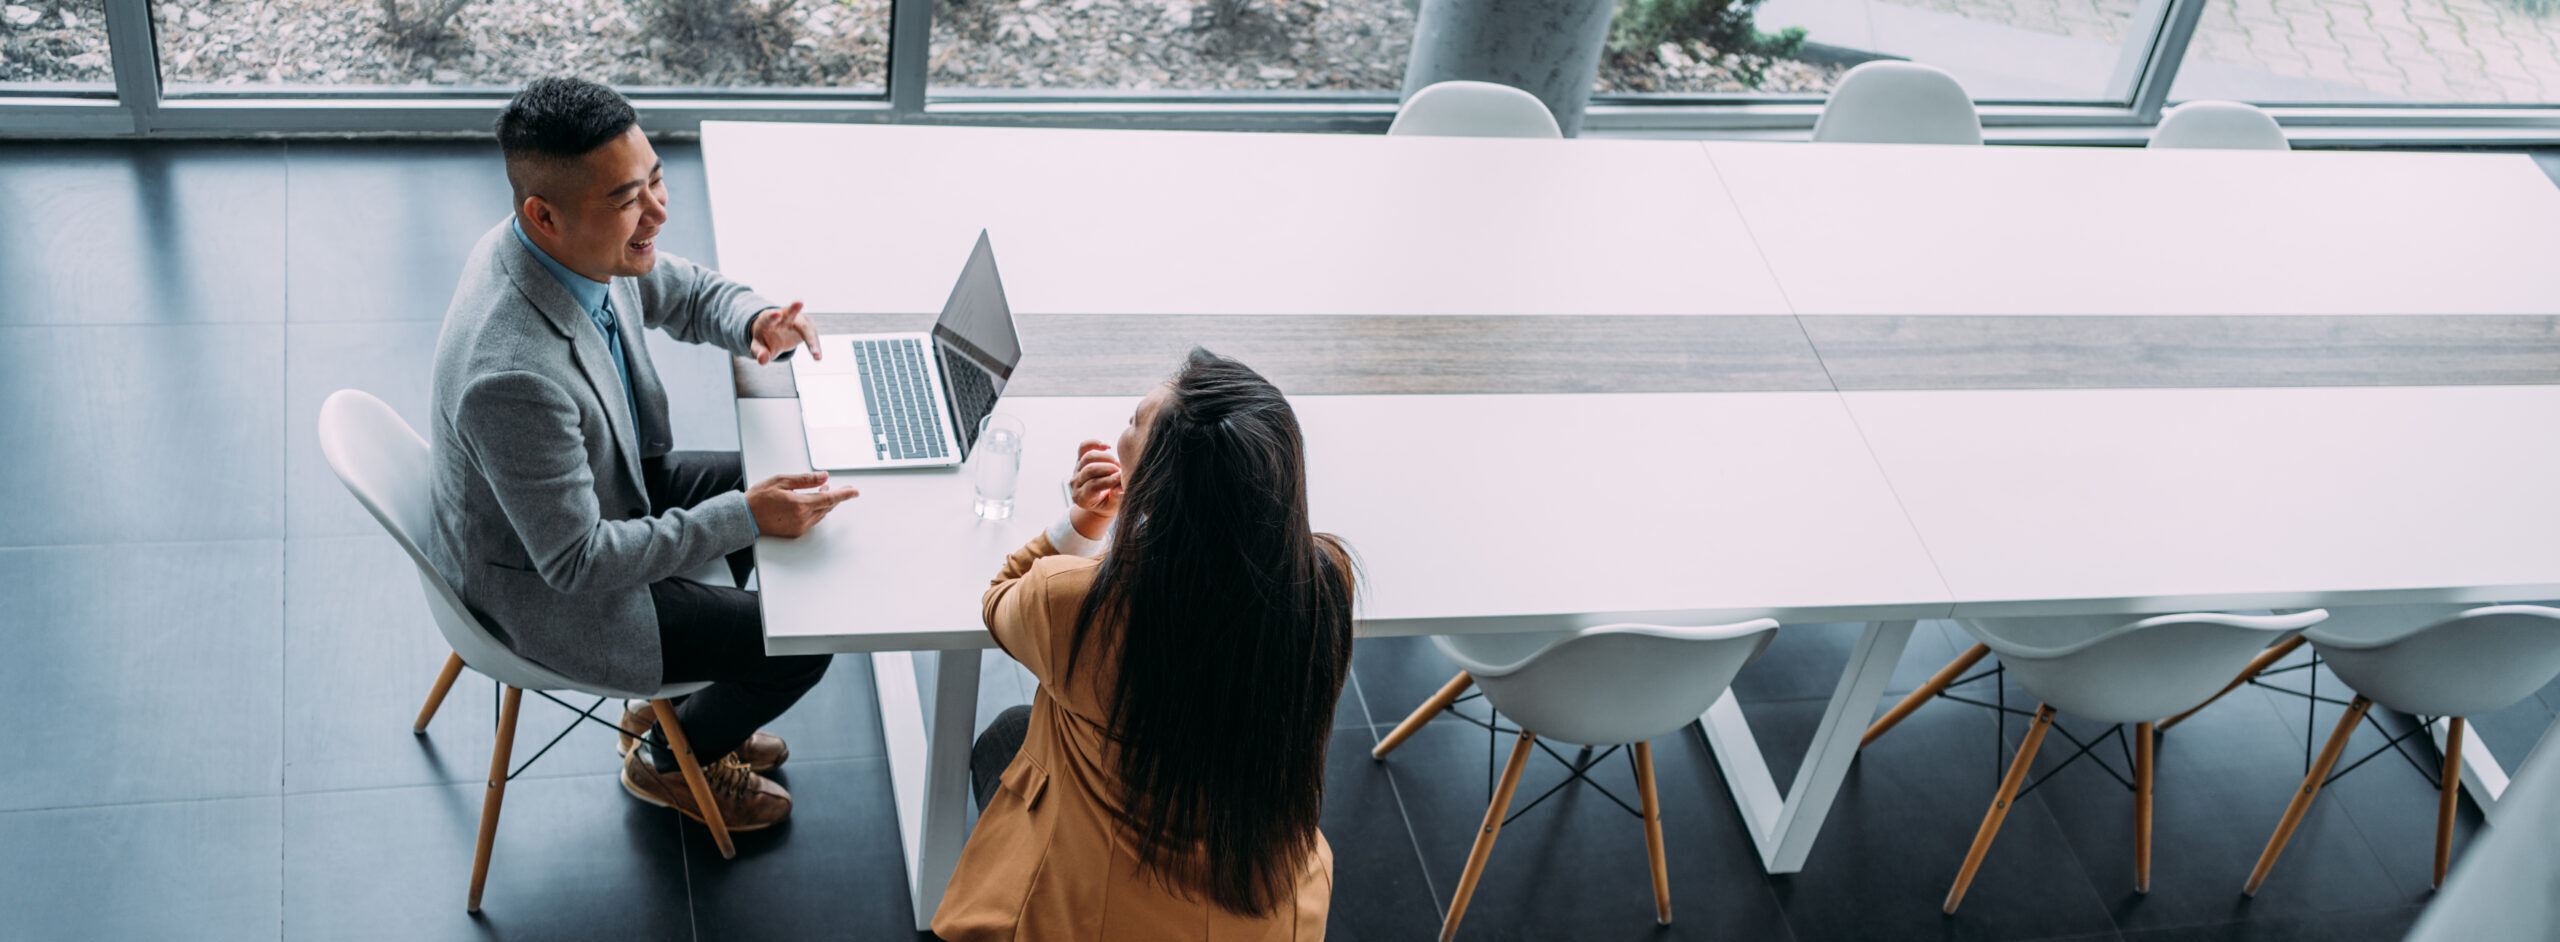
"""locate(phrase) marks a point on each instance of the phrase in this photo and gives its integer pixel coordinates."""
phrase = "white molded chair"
(2478, 661)
(1474, 109)
(2225, 125)
(385, 464)
(1605, 686)
(2100, 668)
(1894, 102)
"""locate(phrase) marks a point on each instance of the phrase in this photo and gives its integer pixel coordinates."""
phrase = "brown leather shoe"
(762, 752)
(747, 801)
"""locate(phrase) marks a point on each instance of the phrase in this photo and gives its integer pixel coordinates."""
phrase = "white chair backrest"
(2226, 125)
(2137, 672)
(384, 463)
(1474, 109)
(1610, 684)
(2478, 661)
(1894, 102)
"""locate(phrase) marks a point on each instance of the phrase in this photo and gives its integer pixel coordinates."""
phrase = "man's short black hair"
(555, 121)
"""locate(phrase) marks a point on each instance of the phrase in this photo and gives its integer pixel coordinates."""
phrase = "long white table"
(875, 218)
(1728, 506)
(1801, 506)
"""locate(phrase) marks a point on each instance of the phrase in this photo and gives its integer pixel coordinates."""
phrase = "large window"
(216, 45)
(54, 46)
(2078, 70)
(1171, 45)
(2002, 50)
(2495, 51)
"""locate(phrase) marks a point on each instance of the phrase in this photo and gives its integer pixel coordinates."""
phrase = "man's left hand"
(779, 329)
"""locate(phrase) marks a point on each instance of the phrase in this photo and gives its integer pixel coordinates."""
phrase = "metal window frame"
(141, 106)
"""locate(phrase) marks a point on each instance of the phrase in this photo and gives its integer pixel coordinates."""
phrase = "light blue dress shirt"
(594, 298)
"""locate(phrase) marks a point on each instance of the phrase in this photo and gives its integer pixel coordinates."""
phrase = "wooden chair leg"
(2142, 760)
(1937, 684)
(435, 694)
(703, 800)
(2448, 795)
(2000, 806)
(2257, 665)
(2310, 788)
(1493, 815)
(1653, 833)
(1430, 708)
(499, 756)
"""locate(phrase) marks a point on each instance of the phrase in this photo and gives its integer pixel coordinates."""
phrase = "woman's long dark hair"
(1229, 623)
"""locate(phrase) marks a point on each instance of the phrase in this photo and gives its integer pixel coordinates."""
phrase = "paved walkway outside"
(2379, 50)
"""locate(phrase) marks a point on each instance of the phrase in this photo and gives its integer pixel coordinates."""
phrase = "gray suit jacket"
(541, 520)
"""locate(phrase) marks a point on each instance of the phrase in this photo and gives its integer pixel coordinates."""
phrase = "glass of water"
(995, 464)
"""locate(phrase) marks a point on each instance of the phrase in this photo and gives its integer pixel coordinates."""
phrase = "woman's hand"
(1093, 490)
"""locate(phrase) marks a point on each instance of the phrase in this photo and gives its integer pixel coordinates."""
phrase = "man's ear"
(539, 215)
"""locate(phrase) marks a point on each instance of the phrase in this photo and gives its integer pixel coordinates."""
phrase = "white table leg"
(928, 711)
(1784, 830)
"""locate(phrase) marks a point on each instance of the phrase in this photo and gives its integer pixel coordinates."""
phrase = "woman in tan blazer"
(1171, 769)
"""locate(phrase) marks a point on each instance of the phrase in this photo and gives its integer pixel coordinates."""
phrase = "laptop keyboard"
(971, 391)
(906, 422)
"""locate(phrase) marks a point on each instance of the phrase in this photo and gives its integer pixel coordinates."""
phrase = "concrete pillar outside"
(1548, 48)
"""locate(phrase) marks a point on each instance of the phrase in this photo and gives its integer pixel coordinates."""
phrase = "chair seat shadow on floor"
(385, 464)
(1613, 686)
(2472, 662)
(2098, 668)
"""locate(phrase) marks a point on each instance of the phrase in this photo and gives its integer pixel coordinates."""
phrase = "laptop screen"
(976, 343)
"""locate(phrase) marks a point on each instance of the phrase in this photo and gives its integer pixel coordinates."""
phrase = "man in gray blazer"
(561, 513)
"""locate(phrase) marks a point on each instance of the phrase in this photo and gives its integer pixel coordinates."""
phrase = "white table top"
(878, 219)
(2142, 501)
(1902, 229)
(1692, 509)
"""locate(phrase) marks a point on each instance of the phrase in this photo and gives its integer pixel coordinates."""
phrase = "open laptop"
(912, 400)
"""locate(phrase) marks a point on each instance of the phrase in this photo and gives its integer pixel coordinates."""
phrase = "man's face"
(603, 220)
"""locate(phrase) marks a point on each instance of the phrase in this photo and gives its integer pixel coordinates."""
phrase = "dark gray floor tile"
(1804, 662)
(574, 858)
(130, 433)
(177, 870)
(1575, 865)
(702, 403)
(1396, 675)
(136, 233)
(833, 870)
(380, 230)
(146, 672)
(1897, 834)
(389, 360)
(1380, 890)
(2224, 778)
(2371, 925)
(360, 652)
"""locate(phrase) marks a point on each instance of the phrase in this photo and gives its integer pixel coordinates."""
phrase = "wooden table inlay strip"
(1125, 355)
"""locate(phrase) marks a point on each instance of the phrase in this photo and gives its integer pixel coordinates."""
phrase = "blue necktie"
(605, 322)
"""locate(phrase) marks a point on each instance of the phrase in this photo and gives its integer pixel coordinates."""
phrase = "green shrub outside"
(1640, 26)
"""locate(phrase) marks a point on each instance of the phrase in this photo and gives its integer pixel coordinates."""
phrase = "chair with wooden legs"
(1474, 109)
(1614, 685)
(2478, 661)
(2102, 668)
(384, 463)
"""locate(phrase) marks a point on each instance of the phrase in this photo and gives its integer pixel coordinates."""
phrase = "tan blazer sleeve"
(1017, 606)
